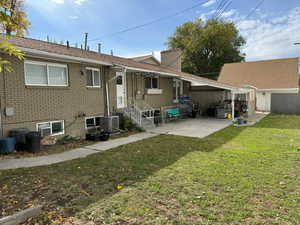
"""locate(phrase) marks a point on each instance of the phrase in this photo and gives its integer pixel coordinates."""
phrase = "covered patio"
(222, 101)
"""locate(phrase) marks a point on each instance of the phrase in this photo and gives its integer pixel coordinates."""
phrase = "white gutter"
(195, 81)
(61, 56)
(148, 71)
(279, 89)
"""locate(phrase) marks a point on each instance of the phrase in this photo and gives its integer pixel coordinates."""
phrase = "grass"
(240, 175)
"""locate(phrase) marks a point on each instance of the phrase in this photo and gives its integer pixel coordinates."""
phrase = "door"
(177, 90)
(121, 90)
(263, 101)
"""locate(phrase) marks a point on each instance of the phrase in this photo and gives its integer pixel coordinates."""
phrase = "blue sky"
(270, 31)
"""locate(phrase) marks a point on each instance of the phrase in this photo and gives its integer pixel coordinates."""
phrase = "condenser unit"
(110, 124)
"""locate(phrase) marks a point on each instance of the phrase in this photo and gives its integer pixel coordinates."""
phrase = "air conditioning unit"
(110, 124)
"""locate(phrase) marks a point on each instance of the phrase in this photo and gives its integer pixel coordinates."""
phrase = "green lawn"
(245, 175)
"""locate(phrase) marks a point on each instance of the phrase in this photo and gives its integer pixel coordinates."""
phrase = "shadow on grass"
(76, 184)
(275, 121)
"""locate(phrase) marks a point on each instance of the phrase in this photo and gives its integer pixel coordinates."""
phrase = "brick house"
(64, 90)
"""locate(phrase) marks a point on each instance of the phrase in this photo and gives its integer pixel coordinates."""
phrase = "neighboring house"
(61, 90)
(147, 59)
(266, 77)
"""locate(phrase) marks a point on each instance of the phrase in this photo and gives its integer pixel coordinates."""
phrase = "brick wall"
(34, 104)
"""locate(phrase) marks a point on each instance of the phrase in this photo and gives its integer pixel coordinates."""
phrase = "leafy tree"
(13, 20)
(206, 46)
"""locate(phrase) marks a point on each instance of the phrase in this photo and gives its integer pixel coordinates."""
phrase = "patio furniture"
(172, 114)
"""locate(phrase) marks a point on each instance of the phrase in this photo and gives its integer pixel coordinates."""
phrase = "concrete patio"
(198, 127)
(201, 127)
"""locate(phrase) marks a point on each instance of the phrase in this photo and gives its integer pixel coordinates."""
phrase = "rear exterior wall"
(35, 104)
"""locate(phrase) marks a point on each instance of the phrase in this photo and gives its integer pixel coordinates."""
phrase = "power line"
(151, 22)
(254, 9)
(224, 10)
(219, 8)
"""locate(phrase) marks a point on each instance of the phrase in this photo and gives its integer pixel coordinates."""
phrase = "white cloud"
(58, 1)
(73, 17)
(229, 13)
(207, 15)
(272, 38)
(79, 2)
(209, 3)
(248, 24)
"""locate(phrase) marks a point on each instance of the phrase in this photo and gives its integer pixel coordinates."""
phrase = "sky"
(270, 31)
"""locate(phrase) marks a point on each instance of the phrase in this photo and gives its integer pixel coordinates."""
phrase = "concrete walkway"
(72, 154)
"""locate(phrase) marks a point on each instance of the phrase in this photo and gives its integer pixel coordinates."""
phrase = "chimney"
(171, 59)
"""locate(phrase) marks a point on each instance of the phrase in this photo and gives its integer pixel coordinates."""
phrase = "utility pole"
(85, 40)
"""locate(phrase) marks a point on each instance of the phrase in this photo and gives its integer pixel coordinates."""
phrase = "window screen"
(154, 82)
(89, 78)
(57, 127)
(148, 81)
(36, 74)
(57, 75)
(96, 78)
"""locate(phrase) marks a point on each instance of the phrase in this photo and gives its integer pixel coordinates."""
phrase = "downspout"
(107, 99)
(105, 71)
(2, 103)
(1, 124)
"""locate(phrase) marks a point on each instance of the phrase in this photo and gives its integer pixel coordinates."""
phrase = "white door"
(263, 101)
(121, 90)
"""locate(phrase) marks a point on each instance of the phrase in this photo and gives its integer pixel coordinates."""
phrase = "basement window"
(92, 122)
(93, 77)
(51, 128)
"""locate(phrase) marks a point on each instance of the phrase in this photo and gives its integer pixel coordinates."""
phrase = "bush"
(127, 123)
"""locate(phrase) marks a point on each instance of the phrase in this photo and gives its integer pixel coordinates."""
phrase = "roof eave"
(134, 69)
(35, 52)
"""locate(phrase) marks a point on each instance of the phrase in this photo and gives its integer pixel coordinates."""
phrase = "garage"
(263, 101)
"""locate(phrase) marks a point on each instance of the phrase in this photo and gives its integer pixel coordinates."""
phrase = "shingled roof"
(268, 74)
(42, 46)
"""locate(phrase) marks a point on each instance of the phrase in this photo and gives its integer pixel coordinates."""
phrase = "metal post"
(232, 105)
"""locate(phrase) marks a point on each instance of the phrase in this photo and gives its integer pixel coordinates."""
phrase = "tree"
(206, 46)
(13, 20)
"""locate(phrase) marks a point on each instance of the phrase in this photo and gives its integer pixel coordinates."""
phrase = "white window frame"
(155, 77)
(91, 117)
(51, 122)
(180, 82)
(47, 70)
(93, 78)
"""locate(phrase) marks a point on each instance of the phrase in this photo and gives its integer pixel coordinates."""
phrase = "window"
(91, 122)
(46, 74)
(177, 90)
(93, 77)
(152, 82)
(51, 128)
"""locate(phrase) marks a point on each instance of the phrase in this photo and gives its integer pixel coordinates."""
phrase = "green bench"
(173, 113)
